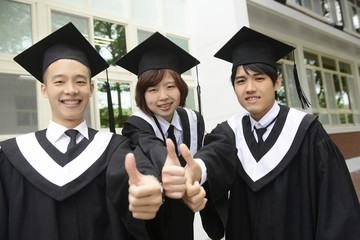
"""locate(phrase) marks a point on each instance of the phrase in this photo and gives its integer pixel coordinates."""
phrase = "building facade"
(112, 26)
(326, 34)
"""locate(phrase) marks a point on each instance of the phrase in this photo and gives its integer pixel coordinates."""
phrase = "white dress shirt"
(55, 133)
(265, 120)
(178, 131)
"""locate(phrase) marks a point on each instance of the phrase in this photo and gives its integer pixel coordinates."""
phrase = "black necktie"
(72, 133)
(171, 135)
(261, 131)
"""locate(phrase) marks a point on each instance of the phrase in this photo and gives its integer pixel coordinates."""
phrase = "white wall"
(212, 24)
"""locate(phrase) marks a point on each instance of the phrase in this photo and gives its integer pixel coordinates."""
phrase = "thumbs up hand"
(173, 175)
(145, 196)
(194, 196)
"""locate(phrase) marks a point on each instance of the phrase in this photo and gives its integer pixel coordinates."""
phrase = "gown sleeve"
(117, 185)
(142, 135)
(3, 203)
(220, 157)
(338, 210)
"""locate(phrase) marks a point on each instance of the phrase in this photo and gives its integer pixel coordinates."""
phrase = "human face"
(164, 98)
(255, 92)
(68, 88)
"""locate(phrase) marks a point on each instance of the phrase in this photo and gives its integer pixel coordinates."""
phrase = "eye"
(259, 77)
(81, 82)
(57, 82)
(239, 81)
(151, 90)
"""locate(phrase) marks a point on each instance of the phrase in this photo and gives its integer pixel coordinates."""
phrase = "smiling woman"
(161, 94)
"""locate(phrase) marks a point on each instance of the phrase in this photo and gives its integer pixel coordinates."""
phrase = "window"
(333, 93)
(287, 94)
(59, 19)
(190, 99)
(143, 35)
(329, 10)
(121, 99)
(15, 27)
(18, 104)
(110, 40)
(184, 44)
(353, 9)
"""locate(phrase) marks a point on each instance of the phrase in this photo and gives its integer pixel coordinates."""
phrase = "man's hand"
(194, 196)
(173, 175)
(145, 196)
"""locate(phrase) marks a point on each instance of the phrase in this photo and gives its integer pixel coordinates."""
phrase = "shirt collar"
(55, 130)
(267, 118)
(165, 124)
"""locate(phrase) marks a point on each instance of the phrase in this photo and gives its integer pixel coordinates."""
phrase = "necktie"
(260, 132)
(171, 135)
(72, 133)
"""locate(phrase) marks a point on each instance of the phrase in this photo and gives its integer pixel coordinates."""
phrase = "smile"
(165, 107)
(71, 102)
(252, 98)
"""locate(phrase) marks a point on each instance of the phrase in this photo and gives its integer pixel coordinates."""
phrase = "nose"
(71, 88)
(163, 94)
(250, 86)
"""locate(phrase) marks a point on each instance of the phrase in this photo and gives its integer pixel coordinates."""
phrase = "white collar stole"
(50, 170)
(257, 170)
(192, 124)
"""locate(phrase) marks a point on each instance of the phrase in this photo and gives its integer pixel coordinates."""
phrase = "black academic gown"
(307, 195)
(174, 220)
(61, 202)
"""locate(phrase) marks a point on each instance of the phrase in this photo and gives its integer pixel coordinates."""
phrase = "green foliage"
(110, 37)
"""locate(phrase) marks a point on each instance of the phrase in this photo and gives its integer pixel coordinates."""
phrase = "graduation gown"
(296, 186)
(174, 220)
(81, 194)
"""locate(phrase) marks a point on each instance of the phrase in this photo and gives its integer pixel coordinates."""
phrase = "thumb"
(172, 158)
(193, 170)
(185, 152)
(130, 165)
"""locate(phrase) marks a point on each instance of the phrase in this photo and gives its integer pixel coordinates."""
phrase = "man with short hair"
(69, 181)
(272, 172)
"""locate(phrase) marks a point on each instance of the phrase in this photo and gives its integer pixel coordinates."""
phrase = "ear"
(91, 89)
(44, 90)
(277, 83)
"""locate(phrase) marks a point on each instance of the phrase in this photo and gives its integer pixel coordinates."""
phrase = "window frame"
(313, 13)
(328, 110)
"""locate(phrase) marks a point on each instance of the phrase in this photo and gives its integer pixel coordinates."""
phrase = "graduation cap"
(65, 43)
(248, 46)
(157, 52)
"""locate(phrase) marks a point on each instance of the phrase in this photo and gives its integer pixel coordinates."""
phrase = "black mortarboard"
(65, 43)
(157, 52)
(248, 46)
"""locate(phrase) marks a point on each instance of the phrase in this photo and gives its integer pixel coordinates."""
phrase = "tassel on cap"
(302, 97)
(110, 105)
